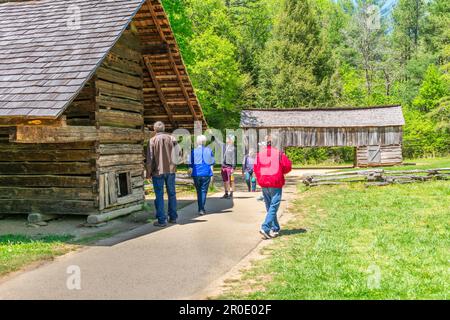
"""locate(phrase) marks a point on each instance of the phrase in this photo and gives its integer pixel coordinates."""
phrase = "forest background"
(321, 53)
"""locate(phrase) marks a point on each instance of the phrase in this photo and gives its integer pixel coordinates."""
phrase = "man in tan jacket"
(162, 158)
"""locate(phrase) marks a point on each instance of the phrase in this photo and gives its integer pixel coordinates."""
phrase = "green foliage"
(314, 156)
(288, 53)
(432, 90)
(408, 18)
(441, 115)
(217, 78)
(421, 137)
(181, 25)
(296, 69)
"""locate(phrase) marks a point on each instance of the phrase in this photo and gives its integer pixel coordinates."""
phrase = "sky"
(387, 7)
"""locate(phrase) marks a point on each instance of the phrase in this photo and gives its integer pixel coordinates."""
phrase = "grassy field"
(413, 164)
(17, 251)
(360, 243)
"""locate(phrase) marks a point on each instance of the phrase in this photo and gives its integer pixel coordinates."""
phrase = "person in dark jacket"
(270, 168)
(162, 154)
(201, 163)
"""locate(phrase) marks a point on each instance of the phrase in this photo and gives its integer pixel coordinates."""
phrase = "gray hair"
(159, 126)
(201, 140)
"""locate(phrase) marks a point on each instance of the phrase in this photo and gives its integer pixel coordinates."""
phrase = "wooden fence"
(378, 177)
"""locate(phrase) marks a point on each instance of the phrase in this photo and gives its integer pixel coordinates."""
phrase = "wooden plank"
(80, 108)
(120, 104)
(46, 206)
(101, 192)
(119, 78)
(48, 147)
(161, 96)
(117, 160)
(119, 91)
(99, 218)
(171, 57)
(41, 134)
(114, 149)
(51, 193)
(119, 119)
(112, 188)
(53, 168)
(46, 181)
(113, 61)
(45, 155)
(137, 167)
(16, 121)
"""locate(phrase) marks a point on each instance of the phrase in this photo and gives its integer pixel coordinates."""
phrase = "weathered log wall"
(367, 156)
(120, 104)
(375, 146)
(75, 169)
(46, 178)
(337, 137)
(81, 112)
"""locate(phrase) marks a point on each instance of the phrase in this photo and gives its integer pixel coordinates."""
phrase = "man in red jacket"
(270, 167)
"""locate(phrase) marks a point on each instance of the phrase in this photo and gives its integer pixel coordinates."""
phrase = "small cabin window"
(123, 184)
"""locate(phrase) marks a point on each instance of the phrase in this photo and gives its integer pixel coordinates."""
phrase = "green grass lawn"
(18, 251)
(412, 164)
(361, 243)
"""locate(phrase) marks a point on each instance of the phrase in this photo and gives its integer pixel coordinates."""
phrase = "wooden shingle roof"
(44, 61)
(323, 118)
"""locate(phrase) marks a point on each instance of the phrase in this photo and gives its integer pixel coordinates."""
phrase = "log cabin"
(376, 133)
(80, 80)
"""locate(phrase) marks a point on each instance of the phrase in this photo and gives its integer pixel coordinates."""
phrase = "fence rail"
(378, 177)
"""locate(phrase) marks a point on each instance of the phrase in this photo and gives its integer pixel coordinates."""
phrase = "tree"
(367, 37)
(296, 68)
(218, 79)
(253, 22)
(437, 31)
(181, 25)
(408, 22)
(433, 89)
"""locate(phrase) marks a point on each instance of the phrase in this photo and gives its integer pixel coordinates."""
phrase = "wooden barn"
(376, 132)
(80, 80)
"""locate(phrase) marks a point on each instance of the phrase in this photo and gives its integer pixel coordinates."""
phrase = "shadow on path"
(187, 215)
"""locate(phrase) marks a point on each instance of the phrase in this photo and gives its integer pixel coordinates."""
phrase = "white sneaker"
(274, 234)
(265, 235)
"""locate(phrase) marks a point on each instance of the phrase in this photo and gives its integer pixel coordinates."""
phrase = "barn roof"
(323, 118)
(45, 61)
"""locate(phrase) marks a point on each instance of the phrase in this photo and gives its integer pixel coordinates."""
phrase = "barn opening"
(321, 156)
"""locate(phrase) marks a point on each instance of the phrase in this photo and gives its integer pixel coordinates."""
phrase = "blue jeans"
(158, 185)
(251, 181)
(202, 186)
(272, 199)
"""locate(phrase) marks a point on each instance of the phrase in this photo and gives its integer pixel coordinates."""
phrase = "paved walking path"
(149, 263)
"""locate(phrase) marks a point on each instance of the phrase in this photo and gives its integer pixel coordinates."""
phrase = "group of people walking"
(266, 168)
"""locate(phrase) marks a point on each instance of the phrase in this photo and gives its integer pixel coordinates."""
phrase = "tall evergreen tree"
(437, 30)
(408, 22)
(296, 68)
(366, 37)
